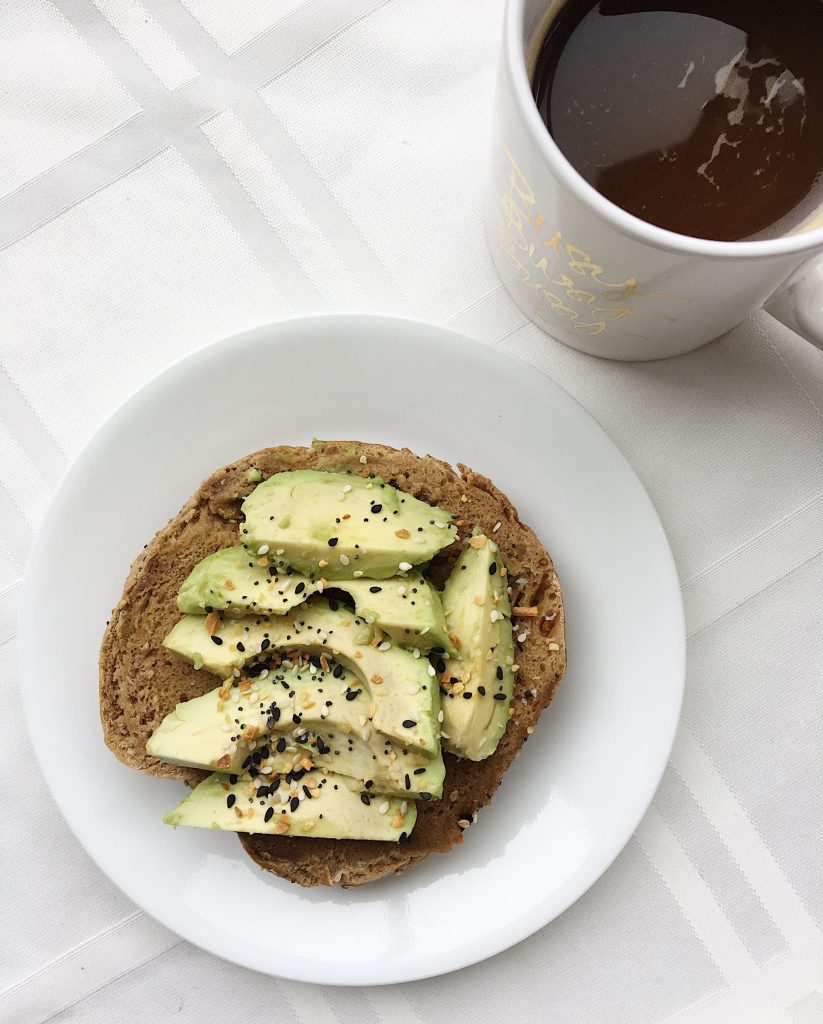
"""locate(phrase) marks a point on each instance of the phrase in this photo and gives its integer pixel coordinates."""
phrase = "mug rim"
(613, 214)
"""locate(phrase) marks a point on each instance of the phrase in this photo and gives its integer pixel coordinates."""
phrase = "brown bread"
(140, 681)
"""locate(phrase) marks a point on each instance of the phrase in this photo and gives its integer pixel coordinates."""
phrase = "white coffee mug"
(600, 279)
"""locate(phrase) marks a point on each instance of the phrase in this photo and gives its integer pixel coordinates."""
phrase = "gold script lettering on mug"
(588, 311)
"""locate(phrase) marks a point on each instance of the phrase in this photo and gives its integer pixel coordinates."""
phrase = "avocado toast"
(480, 536)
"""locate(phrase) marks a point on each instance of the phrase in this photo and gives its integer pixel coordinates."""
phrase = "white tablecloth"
(172, 172)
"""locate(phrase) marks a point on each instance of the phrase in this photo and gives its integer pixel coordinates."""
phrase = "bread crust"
(141, 682)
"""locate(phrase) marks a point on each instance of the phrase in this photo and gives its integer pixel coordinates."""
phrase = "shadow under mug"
(600, 279)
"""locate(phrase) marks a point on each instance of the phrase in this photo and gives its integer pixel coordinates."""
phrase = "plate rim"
(538, 916)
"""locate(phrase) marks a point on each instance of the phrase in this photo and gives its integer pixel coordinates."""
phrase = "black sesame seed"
(467, 695)
(365, 799)
(338, 671)
(333, 541)
(376, 508)
(233, 780)
(425, 796)
(481, 690)
(208, 609)
(262, 791)
(265, 645)
(247, 762)
(307, 791)
(369, 783)
(419, 771)
(281, 745)
(294, 803)
(300, 588)
(352, 694)
(375, 590)
(407, 781)
(268, 815)
(217, 640)
(240, 646)
(297, 719)
(409, 723)
(499, 671)
(230, 800)
(334, 605)
(492, 568)
(403, 838)
(500, 696)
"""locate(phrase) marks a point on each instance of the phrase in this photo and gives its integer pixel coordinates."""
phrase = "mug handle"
(799, 302)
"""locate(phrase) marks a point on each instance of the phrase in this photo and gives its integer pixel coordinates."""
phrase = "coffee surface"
(703, 117)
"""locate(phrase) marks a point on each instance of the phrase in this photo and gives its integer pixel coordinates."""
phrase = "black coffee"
(703, 117)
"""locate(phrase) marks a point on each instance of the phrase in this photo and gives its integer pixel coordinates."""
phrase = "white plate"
(581, 785)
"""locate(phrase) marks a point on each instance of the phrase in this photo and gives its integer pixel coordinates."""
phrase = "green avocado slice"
(336, 524)
(286, 714)
(481, 680)
(329, 807)
(234, 580)
(405, 694)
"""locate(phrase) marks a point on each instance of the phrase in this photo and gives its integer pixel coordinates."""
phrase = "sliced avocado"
(405, 695)
(319, 804)
(480, 680)
(407, 608)
(238, 582)
(382, 766)
(336, 524)
(285, 714)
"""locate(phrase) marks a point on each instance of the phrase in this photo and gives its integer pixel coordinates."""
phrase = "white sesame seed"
(431, 670)
(225, 727)
(344, 559)
(416, 652)
(522, 638)
(384, 646)
(404, 566)
(319, 586)
(357, 573)
(313, 669)
(363, 459)
(263, 549)
(370, 619)
(383, 808)
(236, 673)
(412, 690)
(266, 770)
(530, 730)
(494, 615)
(284, 798)
(404, 807)
(401, 590)
(424, 630)
(346, 488)
(440, 716)
(496, 527)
